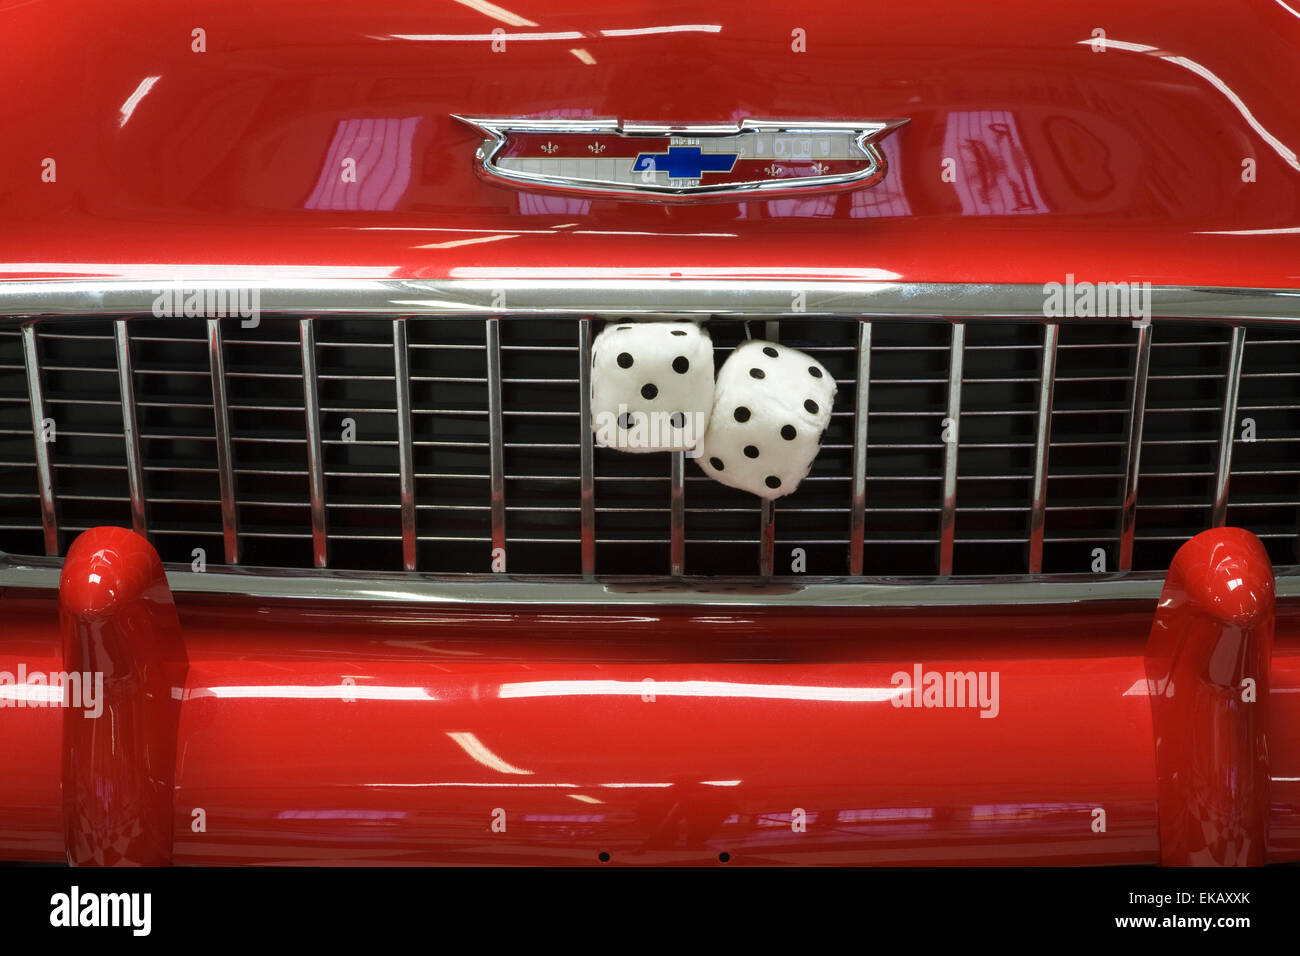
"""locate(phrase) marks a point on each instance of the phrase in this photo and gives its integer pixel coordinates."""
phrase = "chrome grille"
(435, 440)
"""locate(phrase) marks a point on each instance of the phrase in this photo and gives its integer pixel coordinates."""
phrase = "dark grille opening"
(995, 461)
(20, 523)
(905, 449)
(816, 516)
(1264, 494)
(1180, 440)
(358, 382)
(722, 524)
(1085, 485)
(173, 397)
(541, 431)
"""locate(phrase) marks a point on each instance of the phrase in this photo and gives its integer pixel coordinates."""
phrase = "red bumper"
(295, 734)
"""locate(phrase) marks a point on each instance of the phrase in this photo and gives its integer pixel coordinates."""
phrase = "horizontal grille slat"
(223, 446)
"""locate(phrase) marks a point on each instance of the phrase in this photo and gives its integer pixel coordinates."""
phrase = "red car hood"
(1162, 148)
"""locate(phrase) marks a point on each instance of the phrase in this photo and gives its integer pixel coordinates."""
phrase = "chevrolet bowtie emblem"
(757, 159)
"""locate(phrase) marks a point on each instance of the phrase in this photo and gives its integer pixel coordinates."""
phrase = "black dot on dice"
(623, 328)
(772, 481)
(811, 406)
(649, 391)
(624, 359)
(716, 463)
(681, 364)
(678, 332)
(814, 371)
(769, 351)
(678, 420)
(757, 373)
(751, 451)
(787, 432)
(625, 420)
(741, 413)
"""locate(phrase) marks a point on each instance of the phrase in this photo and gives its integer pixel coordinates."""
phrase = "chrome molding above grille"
(490, 294)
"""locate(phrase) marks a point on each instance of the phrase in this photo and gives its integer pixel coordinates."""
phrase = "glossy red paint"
(312, 734)
(1208, 666)
(1122, 163)
(119, 627)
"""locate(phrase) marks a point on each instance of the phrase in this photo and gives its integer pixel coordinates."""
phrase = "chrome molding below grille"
(796, 592)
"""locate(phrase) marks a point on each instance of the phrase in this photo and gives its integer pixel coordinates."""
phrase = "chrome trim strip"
(587, 465)
(225, 454)
(315, 455)
(1133, 455)
(865, 294)
(677, 510)
(496, 439)
(858, 506)
(1042, 447)
(130, 427)
(44, 473)
(1227, 431)
(948, 519)
(398, 587)
(405, 448)
(496, 132)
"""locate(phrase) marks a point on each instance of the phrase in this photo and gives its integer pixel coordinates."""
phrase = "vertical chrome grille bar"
(767, 510)
(858, 518)
(315, 454)
(130, 426)
(405, 437)
(587, 488)
(1133, 456)
(496, 448)
(1042, 447)
(948, 519)
(44, 471)
(225, 457)
(1227, 431)
(677, 514)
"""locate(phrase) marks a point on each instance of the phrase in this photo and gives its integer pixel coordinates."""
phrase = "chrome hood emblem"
(670, 163)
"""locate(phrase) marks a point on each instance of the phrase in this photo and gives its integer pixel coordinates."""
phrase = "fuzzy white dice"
(651, 386)
(770, 408)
